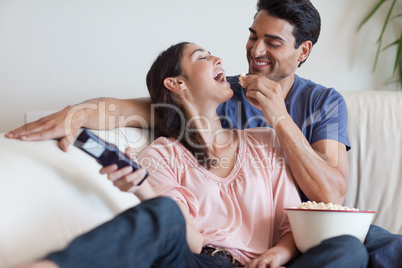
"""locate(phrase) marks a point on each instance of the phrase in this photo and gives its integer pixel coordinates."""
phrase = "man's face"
(271, 48)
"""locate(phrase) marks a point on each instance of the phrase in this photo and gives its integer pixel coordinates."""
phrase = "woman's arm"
(278, 255)
(100, 113)
(194, 238)
(127, 180)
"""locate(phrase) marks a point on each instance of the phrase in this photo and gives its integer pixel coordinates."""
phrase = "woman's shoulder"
(161, 145)
(262, 134)
(260, 137)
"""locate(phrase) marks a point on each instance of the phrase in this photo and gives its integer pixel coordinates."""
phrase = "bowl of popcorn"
(313, 222)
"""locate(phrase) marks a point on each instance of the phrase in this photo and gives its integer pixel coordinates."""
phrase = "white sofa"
(47, 197)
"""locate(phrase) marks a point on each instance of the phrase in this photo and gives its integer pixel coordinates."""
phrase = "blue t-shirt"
(319, 112)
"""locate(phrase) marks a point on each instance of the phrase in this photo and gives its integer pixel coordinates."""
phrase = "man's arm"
(100, 113)
(319, 169)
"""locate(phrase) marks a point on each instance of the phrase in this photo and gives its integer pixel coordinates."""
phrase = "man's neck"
(287, 84)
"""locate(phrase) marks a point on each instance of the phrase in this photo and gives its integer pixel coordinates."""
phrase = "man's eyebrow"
(276, 37)
(252, 30)
(200, 50)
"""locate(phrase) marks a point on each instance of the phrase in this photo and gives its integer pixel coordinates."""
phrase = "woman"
(231, 186)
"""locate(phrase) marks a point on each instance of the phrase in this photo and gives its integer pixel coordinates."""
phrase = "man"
(309, 119)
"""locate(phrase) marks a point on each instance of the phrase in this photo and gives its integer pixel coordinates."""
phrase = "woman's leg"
(151, 232)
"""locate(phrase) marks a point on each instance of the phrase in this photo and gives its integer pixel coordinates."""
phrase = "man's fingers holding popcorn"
(242, 79)
(256, 90)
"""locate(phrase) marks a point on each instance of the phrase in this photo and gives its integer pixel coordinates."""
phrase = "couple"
(229, 205)
(281, 37)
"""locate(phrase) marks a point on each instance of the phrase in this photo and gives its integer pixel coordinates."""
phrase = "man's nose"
(258, 49)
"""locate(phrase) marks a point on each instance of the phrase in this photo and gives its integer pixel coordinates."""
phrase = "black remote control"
(105, 153)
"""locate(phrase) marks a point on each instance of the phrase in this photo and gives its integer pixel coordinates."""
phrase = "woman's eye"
(203, 58)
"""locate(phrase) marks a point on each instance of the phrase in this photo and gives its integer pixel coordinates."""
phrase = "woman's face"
(204, 76)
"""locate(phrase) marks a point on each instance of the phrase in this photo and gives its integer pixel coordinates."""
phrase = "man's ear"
(306, 47)
(174, 84)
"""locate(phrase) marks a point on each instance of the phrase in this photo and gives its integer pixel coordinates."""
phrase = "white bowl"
(311, 226)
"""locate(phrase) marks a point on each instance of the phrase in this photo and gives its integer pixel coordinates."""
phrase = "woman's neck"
(216, 138)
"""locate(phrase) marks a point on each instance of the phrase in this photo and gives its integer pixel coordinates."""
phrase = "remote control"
(105, 153)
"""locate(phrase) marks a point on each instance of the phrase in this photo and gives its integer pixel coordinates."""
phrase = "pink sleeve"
(162, 163)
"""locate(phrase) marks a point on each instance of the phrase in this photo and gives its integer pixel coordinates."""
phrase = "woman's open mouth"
(220, 76)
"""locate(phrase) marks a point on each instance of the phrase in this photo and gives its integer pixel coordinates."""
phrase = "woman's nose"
(218, 61)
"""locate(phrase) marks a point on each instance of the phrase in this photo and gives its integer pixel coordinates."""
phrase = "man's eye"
(253, 38)
(272, 44)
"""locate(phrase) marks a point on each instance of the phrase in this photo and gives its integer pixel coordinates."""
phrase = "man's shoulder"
(234, 82)
(233, 78)
(304, 89)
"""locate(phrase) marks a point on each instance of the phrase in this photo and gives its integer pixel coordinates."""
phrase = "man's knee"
(345, 243)
(340, 251)
(349, 247)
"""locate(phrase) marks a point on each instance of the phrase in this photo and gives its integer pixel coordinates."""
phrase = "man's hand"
(267, 96)
(63, 125)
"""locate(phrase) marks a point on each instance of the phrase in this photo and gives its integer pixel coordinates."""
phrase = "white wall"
(59, 52)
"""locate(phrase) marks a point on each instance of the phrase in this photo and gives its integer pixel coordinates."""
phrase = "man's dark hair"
(300, 13)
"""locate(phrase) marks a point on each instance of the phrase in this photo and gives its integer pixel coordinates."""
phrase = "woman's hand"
(266, 260)
(63, 125)
(278, 255)
(127, 180)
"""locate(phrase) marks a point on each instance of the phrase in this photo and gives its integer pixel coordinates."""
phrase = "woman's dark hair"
(300, 13)
(173, 118)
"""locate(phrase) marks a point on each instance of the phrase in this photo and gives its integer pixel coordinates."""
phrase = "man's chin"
(253, 71)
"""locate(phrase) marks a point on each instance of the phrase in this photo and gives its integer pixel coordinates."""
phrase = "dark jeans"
(153, 234)
(340, 252)
(384, 248)
(381, 249)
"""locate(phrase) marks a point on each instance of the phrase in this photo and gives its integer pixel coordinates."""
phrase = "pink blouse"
(242, 212)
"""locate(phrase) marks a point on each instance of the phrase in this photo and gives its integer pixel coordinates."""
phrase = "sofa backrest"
(375, 160)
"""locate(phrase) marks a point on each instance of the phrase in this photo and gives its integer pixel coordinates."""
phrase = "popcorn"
(321, 205)
(241, 79)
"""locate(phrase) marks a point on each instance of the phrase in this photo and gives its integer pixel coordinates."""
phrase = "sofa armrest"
(48, 197)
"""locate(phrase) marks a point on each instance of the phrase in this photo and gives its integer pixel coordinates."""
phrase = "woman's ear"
(174, 84)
